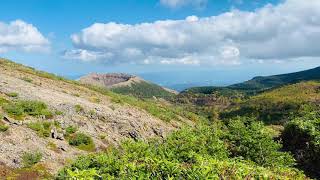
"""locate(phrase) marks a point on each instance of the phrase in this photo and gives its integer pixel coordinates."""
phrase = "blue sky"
(194, 39)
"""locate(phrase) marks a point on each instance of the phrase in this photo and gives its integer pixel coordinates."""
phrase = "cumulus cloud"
(181, 3)
(289, 30)
(19, 35)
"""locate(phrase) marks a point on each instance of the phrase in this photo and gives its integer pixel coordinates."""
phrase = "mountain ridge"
(127, 84)
(261, 83)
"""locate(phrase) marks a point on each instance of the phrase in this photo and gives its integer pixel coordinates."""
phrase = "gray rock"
(134, 135)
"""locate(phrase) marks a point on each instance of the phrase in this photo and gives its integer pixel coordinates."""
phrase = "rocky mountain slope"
(41, 112)
(127, 84)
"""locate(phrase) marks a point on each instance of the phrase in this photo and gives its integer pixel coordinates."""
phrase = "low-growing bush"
(301, 136)
(70, 130)
(43, 128)
(191, 153)
(78, 108)
(25, 107)
(31, 158)
(3, 127)
(81, 141)
(27, 79)
(247, 139)
(12, 94)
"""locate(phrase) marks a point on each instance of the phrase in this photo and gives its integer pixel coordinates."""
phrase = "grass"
(3, 101)
(81, 141)
(13, 94)
(42, 128)
(37, 171)
(78, 108)
(52, 146)
(27, 79)
(31, 158)
(21, 108)
(277, 105)
(70, 130)
(3, 127)
(144, 90)
(161, 111)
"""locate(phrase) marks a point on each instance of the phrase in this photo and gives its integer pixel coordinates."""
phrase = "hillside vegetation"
(46, 120)
(144, 90)
(127, 85)
(261, 83)
(276, 106)
(207, 151)
(54, 128)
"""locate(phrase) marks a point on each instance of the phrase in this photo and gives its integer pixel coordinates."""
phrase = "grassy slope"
(275, 106)
(143, 90)
(160, 110)
(260, 83)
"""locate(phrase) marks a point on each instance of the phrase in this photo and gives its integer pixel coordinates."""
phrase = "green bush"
(12, 94)
(78, 108)
(27, 79)
(70, 130)
(3, 101)
(3, 127)
(191, 153)
(301, 136)
(82, 141)
(29, 159)
(25, 107)
(247, 139)
(42, 128)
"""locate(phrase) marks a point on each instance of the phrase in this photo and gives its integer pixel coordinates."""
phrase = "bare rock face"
(106, 80)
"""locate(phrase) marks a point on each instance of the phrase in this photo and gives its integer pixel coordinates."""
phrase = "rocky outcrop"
(107, 80)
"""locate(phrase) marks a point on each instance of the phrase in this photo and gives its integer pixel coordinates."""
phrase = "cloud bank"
(289, 30)
(21, 36)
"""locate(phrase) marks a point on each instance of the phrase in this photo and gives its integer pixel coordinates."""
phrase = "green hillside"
(261, 83)
(143, 89)
(238, 141)
(277, 105)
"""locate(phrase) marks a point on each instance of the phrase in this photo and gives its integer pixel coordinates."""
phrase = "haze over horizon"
(169, 42)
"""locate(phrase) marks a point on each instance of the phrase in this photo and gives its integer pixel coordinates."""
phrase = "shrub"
(27, 79)
(82, 141)
(29, 159)
(33, 108)
(3, 127)
(301, 136)
(42, 128)
(246, 138)
(191, 153)
(12, 94)
(3, 101)
(70, 130)
(78, 108)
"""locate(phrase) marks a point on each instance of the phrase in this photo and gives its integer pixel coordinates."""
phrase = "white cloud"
(21, 36)
(181, 3)
(289, 30)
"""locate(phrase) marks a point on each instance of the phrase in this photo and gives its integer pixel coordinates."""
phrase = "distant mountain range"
(261, 83)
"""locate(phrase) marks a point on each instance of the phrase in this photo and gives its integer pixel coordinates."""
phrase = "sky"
(170, 42)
